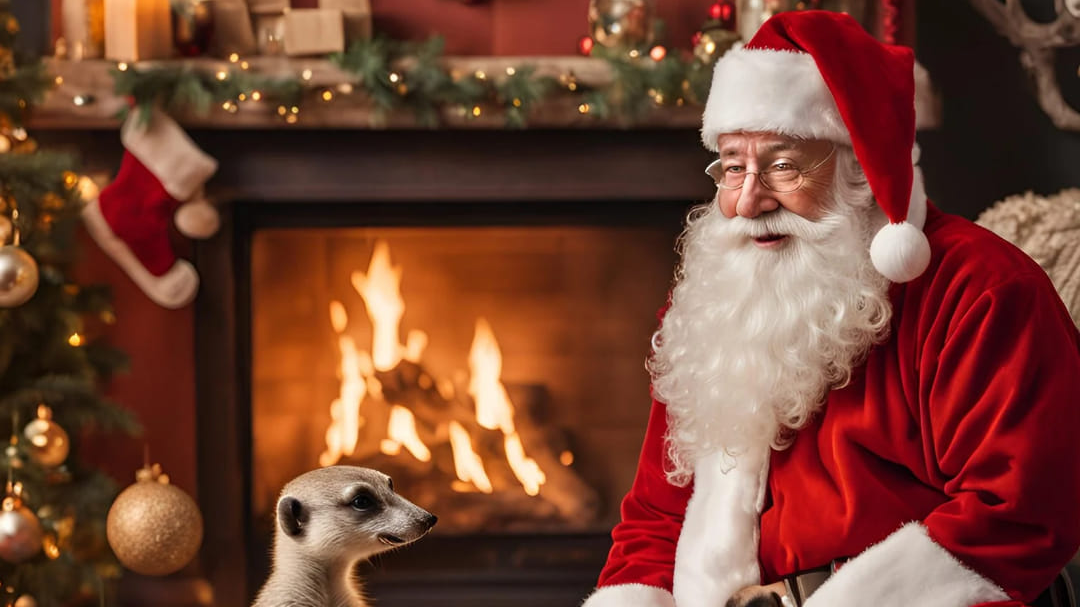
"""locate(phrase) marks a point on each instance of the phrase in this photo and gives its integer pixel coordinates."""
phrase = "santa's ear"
(291, 516)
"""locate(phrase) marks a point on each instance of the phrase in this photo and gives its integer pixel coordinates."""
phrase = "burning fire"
(380, 290)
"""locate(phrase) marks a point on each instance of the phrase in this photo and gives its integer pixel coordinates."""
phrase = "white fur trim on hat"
(907, 568)
(763, 90)
(630, 595)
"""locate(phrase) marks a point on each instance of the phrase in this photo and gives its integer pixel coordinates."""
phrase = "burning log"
(564, 497)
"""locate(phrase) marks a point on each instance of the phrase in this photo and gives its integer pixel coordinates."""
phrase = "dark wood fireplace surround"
(320, 177)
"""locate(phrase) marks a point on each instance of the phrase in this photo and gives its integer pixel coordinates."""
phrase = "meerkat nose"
(430, 521)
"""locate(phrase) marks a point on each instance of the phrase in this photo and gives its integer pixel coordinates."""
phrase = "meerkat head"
(347, 512)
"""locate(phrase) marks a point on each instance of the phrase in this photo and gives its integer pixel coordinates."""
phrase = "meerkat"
(328, 520)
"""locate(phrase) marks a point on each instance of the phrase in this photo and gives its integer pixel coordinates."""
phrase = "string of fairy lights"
(388, 75)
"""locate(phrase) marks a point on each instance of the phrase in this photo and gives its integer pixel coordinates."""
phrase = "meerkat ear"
(291, 515)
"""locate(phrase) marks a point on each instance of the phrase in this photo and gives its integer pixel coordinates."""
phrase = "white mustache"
(781, 222)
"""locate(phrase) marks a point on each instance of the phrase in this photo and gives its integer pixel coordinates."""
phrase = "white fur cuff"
(907, 568)
(630, 595)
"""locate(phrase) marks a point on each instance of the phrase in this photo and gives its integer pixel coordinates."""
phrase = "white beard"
(755, 338)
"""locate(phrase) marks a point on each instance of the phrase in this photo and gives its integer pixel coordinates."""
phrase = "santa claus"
(859, 399)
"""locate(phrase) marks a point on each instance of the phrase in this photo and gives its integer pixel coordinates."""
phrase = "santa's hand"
(772, 595)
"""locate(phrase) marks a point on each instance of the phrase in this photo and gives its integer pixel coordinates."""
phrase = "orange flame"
(381, 290)
(493, 406)
(401, 430)
(345, 417)
(467, 464)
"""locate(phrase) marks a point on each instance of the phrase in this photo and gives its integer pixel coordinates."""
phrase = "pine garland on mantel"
(387, 76)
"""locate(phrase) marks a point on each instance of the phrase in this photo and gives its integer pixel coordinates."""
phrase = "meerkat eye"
(363, 501)
(390, 483)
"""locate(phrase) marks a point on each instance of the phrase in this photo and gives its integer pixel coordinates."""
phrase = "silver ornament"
(18, 276)
(20, 534)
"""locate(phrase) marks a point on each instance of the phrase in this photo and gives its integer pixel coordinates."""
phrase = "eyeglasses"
(782, 177)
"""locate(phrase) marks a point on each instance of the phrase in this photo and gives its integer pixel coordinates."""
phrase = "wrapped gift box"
(313, 31)
(233, 32)
(316, 27)
(357, 17)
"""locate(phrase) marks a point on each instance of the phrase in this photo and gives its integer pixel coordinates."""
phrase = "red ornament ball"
(585, 45)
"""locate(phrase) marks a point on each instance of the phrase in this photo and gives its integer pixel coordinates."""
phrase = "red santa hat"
(819, 75)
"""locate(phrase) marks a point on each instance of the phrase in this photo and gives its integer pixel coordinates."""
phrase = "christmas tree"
(53, 549)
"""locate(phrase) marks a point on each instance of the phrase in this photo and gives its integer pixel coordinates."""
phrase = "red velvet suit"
(965, 420)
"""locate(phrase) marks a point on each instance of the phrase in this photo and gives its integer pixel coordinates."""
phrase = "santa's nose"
(754, 199)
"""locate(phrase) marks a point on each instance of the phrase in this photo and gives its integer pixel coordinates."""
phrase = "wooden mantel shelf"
(90, 82)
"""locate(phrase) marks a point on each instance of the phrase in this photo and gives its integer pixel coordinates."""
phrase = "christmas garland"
(398, 75)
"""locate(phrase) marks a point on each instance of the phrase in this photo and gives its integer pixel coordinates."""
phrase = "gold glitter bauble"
(26, 601)
(154, 527)
(626, 23)
(20, 533)
(46, 442)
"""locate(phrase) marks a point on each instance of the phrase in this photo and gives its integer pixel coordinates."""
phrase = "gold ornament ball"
(154, 528)
(18, 276)
(46, 442)
(627, 23)
(25, 601)
(6, 229)
(20, 534)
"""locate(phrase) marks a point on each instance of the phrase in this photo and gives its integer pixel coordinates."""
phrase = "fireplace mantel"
(84, 97)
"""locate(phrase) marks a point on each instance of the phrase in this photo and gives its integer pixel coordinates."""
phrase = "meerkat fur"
(328, 520)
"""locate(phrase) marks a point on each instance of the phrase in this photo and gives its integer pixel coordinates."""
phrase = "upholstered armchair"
(1048, 229)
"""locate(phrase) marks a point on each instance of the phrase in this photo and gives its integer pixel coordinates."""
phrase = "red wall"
(160, 387)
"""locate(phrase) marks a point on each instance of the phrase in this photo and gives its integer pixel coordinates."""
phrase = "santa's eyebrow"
(779, 146)
(734, 149)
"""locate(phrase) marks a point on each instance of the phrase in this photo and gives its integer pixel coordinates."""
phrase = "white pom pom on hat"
(819, 75)
(900, 252)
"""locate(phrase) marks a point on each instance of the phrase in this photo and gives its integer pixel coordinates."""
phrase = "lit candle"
(137, 30)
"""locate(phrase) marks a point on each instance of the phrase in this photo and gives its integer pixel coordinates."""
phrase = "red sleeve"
(1001, 412)
(652, 516)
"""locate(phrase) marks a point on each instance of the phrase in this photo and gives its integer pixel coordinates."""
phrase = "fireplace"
(469, 314)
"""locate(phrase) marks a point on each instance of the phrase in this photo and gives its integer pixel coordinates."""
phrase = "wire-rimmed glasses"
(782, 177)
